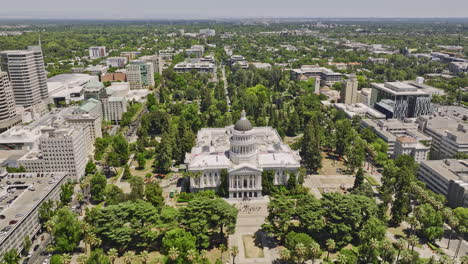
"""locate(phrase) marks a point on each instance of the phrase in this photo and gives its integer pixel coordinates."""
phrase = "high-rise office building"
(349, 93)
(400, 100)
(27, 75)
(140, 74)
(8, 115)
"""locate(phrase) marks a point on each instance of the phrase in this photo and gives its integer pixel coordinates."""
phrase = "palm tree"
(65, 258)
(341, 259)
(300, 251)
(412, 241)
(173, 253)
(406, 256)
(331, 245)
(144, 255)
(234, 253)
(414, 223)
(400, 245)
(285, 254)
(223, 249)
(91, 240)
(112, 254)
(128, 257)
(461, 231)
(204, 254)
(315, 251)
(159, 260)
(387, 253)
(191, 255)
(82, 258)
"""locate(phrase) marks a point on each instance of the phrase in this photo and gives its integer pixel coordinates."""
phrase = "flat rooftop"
(20, 193)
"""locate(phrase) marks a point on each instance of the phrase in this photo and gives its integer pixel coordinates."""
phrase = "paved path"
(251, 216)
(228, 100)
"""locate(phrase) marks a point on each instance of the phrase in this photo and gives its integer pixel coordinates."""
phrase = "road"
(228, 100)
(40, 254)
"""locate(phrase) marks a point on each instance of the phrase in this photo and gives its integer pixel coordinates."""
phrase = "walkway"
(228, 100)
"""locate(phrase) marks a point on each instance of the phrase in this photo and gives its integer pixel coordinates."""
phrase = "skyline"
(212, 9)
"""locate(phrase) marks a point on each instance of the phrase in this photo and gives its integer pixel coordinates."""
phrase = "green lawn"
(372, 181)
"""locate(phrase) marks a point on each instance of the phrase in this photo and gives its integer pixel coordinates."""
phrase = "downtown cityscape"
(215, 138)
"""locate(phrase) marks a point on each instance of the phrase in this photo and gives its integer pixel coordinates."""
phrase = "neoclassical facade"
(245, 152)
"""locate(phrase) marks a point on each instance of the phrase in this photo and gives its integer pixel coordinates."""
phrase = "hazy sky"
(231, 8)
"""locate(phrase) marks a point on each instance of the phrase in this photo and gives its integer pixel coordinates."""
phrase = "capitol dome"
(243, 124)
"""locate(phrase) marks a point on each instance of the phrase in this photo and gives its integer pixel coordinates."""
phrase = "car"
(35, 247)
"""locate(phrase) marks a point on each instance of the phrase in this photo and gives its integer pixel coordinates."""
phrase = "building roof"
(243, 124)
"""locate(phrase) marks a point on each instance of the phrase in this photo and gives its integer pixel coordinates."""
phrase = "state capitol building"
(245, 152)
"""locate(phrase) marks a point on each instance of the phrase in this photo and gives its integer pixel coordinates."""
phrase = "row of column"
(244, 181)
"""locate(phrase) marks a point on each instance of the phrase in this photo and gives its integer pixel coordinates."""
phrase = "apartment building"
(114, 107)
(116, 62)
(349, 92)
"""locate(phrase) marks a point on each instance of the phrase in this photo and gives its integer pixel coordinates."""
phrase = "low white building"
(245, 152)
(68, 88)
(359, 109)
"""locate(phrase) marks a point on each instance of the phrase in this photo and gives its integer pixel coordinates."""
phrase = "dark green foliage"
(66, 193)
(154, 194)
(293, 238)
(11, 257)
(127, 174)
(98, 187)
(113, 194)
(66, 231)
(359, 180)
(137, 188)
(267, 181)
(180, 239)
(208, 217)
(90, 168)
(224, 186)
(126, 224)
(97, 256)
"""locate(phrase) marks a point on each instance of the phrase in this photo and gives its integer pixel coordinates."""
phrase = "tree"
(208, 216)
(267, 181)
(137, 188)
(66, 193)
(113, 194)
(66, 231)
(359, 180)
(144, 255)
(26, 244)
(224, 185)
(293, 238)
(153, 194)
(280, 212)
(331, 245)
(191, 255)
(315, 251)
(98, 257)
(125, 224)
(127, 175)
(343, 135)
(412, 242)
(140, 157)
(355, 153)
(301, 252)
(173, 254)
(11, 257)
(234, 253)
(129, 257)
(112, 254)
(222, 249)
(90, 168)
(163, 159)
(46, 211)
(66, 258)
(121, 150)
(179, 239)
(432, 221)
(310, 151)
(98, 187)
